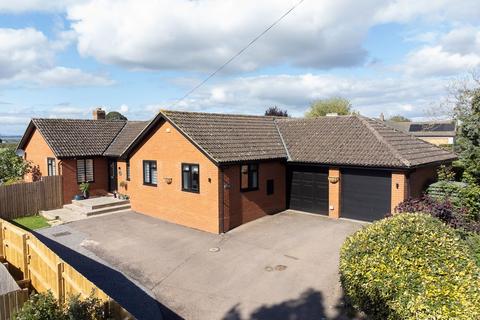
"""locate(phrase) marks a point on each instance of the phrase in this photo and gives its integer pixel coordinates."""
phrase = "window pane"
(195, 178)
(186, 180)
(81, 170)
(154, 173)
(244, 177)
(146, 172)
(89, 169)
(254, 180)
(186, 167)
(128, 170)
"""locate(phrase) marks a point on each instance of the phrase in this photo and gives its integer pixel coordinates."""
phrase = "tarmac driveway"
(283, 266)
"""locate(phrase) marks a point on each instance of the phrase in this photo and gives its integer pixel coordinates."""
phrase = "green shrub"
(469, 198)
(41, 306)
(89, 309)
(44, 306)
(473, 241)
(410, 266)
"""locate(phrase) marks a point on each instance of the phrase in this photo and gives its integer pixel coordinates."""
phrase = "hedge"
(410, 266)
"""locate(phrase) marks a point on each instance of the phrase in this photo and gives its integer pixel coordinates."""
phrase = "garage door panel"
(366, 194)
(308, 190)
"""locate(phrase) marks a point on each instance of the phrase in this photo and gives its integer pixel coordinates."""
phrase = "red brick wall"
(70, 184)
(420, 178)
(37, 151)
(241, 207)
(167, 201)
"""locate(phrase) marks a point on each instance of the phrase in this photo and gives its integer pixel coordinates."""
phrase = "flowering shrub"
(443, 209)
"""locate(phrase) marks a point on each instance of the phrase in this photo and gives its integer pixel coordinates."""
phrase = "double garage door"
(365, 194)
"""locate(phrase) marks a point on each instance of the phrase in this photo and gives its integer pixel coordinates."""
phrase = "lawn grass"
(31, 223)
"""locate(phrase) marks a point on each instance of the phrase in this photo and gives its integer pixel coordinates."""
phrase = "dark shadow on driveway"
(115, 284)
(309, 305)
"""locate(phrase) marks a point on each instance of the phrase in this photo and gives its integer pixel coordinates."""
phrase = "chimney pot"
(98, 114)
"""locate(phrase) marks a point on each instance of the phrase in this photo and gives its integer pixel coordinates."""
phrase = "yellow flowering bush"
(410, 266)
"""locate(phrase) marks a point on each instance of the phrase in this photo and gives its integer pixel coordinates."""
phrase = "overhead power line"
(238, 53)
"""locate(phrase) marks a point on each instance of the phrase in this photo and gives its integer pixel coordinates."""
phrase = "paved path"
(279, 267)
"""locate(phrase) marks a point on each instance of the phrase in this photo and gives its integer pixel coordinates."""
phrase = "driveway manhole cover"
(214, 249)
(280, 267)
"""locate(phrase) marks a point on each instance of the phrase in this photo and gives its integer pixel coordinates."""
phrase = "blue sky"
(62, 59)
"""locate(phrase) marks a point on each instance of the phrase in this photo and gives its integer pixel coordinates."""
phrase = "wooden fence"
(30, 259)
(12, 302)
(27, 199)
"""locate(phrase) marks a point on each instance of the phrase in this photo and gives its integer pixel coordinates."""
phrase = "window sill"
(86, 182)
(249, 189)
(190, 191)
(150, 184)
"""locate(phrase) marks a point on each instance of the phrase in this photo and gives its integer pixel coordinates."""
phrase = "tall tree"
(467, 112)
(276, 112)
(399, 118)
(12, 167)
(338, 105)
(115, 115)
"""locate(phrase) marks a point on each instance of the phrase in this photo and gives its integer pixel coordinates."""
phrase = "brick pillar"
(399, 189)
(334, 188)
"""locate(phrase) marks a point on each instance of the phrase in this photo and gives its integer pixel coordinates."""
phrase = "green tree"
(322, 107)
(115, 115)
(12, 167)
(399, 118)
(276, 112)
(467, 112)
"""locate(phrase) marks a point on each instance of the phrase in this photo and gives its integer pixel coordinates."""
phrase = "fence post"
(60, 283)
(26, 261)
(2, 252)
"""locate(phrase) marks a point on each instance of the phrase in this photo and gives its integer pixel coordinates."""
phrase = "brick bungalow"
(215, 172)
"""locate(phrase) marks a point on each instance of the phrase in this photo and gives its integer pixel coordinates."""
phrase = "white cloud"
(22, 49)
(201, 35)
(20, 6)
(27, 55)
(429, 11)
(123, 109)
(454, 52)
(67, 77)
(369, 95)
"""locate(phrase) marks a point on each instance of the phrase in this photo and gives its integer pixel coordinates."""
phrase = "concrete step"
(86, 211)
(98, 203)
(109, 209)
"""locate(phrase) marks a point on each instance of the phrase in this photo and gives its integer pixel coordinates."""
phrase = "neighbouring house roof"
(125, 137)
(229, 137)
(75, 138)
(356, 141)
(445, 128)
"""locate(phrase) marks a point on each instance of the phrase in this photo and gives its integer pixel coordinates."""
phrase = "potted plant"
(84, 188)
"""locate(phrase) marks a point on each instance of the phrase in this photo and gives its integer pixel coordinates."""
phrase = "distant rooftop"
(444, 128)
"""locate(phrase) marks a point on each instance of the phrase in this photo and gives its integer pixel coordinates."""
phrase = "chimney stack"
(382, 117)
(98, 114)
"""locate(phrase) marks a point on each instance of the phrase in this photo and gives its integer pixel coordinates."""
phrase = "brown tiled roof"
(75, 138)
(355, 141)
(126, 136)
(228, 137)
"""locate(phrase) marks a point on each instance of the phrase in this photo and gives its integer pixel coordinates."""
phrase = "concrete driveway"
(283, 266)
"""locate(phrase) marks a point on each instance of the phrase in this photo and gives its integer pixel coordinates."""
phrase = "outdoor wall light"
(168, 180)
(333, 179)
